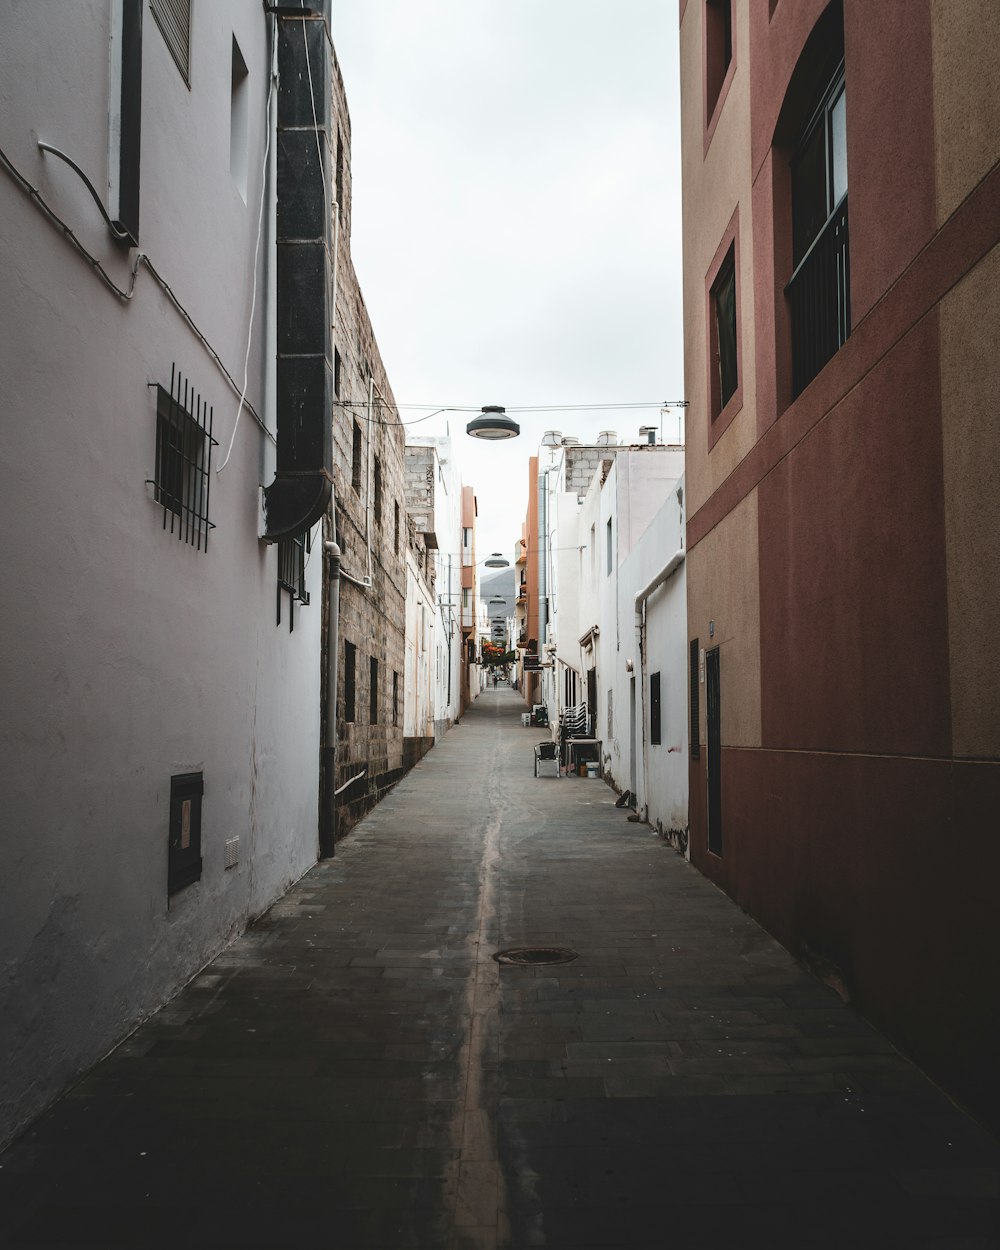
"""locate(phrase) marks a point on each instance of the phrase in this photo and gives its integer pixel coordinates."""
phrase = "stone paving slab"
(357, 1070)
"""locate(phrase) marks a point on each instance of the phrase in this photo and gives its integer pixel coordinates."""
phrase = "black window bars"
(184, 442)
(292, 554)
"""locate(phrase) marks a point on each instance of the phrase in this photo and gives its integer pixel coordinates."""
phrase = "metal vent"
(232, 852)
(174, 20)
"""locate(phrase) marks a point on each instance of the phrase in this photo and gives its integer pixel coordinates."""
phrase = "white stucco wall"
(659, 777)
(128, 656)
(420, 659)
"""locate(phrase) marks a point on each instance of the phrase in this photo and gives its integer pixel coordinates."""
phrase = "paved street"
(358, 1071)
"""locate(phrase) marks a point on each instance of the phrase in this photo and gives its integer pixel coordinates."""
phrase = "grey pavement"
(358, 1071)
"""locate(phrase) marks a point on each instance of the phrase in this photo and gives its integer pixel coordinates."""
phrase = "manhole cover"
(533, 956)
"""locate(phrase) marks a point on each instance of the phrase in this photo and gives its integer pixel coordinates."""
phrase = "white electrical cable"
(256, 253)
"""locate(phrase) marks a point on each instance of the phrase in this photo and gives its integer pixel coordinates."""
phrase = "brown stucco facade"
(843, 543)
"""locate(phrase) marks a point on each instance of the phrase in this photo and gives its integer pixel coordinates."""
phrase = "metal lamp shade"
(493, 424)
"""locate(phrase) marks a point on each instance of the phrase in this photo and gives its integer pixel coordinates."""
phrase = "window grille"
(184, 443)
(174, 20)
(292, 553)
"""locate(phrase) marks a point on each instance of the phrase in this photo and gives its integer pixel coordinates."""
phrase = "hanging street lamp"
(493, 423)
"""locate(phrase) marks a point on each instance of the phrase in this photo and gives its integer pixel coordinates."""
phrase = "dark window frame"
(350, 682)
(184, 862)
(819, 289)
(372, 690)
(722, 414)
(357, 455)
(718, 61)
(655, 715)
(377, 491)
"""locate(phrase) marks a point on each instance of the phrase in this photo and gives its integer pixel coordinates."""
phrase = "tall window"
(373, 691)
(724, 330)
(356, 458)
(395, 698)
(395, 541)
(350, 680)
(654, 709)
(611, 547)
(377, 502)
(819, 291)
(718, 50)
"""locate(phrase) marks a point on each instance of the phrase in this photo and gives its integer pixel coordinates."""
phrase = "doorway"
(714, 762)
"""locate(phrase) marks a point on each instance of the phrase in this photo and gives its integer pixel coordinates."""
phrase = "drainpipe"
(328, 828)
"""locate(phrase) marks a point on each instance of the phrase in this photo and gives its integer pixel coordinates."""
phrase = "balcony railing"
(819, 294)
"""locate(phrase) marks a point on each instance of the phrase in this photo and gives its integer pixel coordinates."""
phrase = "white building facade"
(160, 661)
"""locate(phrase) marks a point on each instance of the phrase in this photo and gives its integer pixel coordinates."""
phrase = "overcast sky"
(516, 216)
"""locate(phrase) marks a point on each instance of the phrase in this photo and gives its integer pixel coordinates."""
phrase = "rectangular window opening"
(654, 709)
(373, 691)
(350, 680)
(395, 696)
(611, 548)
(239, 121)
(819, 290)
(377, 500)
(395, 540)
(356, 458)
(724, 331)
(718, 49)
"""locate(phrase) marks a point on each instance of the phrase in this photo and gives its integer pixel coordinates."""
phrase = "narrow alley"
(358, 1071)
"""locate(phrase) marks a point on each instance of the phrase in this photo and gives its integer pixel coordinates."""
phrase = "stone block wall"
(371, 528)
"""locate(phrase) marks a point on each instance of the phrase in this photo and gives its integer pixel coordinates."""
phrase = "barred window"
(292, 553)
(182, 476)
